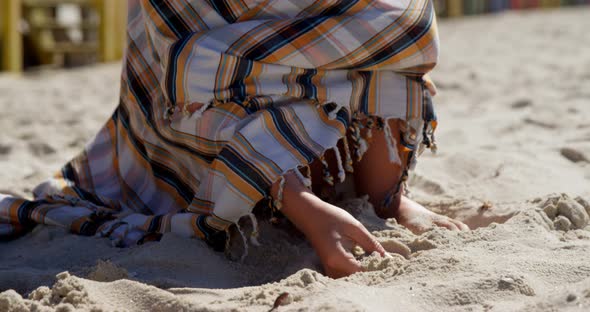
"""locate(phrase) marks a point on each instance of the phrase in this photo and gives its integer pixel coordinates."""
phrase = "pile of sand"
(513, 164)
(522, 264)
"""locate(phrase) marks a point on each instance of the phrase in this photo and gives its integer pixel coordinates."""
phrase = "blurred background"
(60, 33)
(66, 33)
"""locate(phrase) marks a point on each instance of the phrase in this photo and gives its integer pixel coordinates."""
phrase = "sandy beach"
(513, 163)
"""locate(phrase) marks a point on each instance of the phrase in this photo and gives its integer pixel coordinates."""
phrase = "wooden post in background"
(11, 38)
(113, 17)
(454, 8)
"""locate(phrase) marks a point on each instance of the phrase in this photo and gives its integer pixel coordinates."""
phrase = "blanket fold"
(219, 99)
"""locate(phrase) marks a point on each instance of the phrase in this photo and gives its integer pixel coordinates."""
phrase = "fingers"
(394, 246)
(366, 240)
(370, 244)
(341, 264)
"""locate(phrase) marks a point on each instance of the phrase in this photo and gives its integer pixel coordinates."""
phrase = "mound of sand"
(516, 265)
(513, 164)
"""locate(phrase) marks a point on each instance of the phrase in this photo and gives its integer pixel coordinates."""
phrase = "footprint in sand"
(540, 123)
(448, 85)
(40, 149)
(522, 103)
(573, 155)
(426, 185)
(5, 149)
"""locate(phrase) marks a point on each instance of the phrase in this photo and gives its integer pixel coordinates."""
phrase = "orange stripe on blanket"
(14, 210)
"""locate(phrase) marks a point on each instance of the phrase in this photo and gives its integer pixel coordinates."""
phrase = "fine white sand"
(513, 104)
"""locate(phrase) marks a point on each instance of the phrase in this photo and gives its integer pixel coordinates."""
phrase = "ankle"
(389, 206)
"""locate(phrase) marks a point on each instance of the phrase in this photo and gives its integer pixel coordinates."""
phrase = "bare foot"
(419, 219)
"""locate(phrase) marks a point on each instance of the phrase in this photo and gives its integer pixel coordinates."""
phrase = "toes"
(462, 226)
(419, 227)
(452, 224)
(446, 223)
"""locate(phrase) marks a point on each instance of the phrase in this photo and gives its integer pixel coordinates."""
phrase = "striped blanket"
(219, 99)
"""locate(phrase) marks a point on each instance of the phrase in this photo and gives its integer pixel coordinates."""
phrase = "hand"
(331, 231)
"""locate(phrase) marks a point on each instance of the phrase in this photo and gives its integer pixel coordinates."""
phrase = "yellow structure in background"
(11, 39)
(111, 30)
(113, 22)
(454, 8)
(110, 41)
(550, 3)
